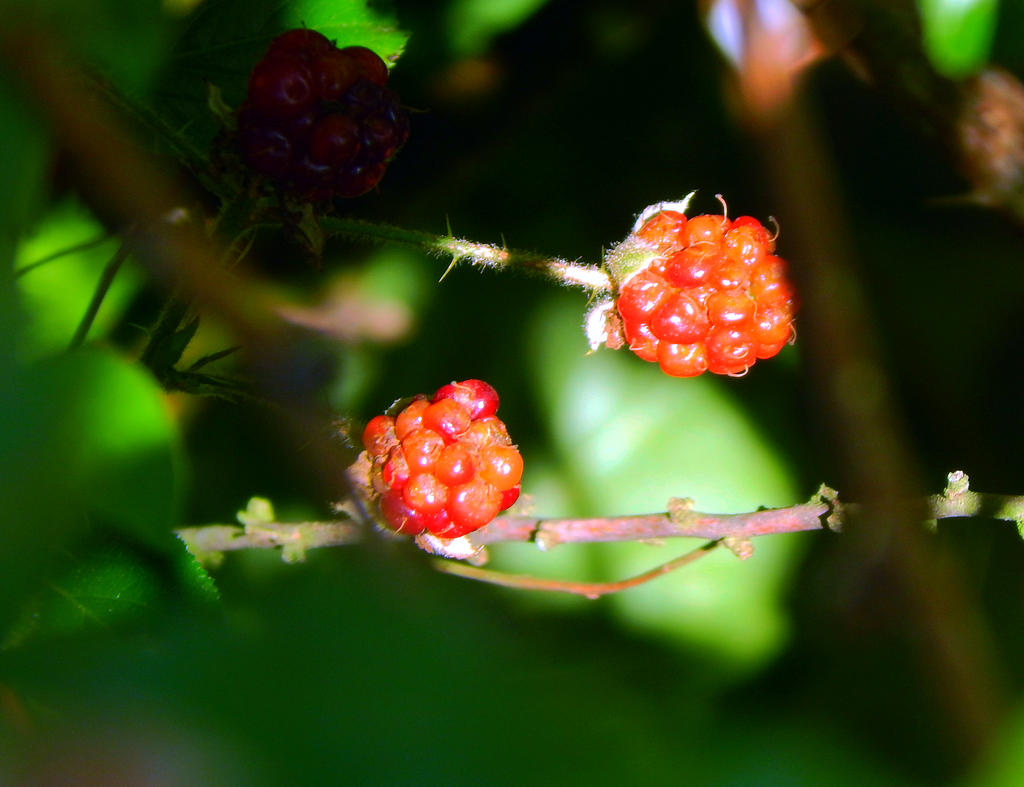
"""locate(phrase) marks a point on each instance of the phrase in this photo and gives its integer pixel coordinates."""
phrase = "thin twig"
(591, 590)
(209, 539)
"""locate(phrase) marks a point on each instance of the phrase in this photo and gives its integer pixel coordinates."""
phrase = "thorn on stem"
(451, 266)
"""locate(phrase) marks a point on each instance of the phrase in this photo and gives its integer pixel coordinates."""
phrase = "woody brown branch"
(547, 533)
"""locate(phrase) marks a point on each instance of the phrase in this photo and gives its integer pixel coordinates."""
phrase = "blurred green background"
(548, 126)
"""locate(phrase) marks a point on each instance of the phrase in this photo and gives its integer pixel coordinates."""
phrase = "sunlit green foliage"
(958, 33)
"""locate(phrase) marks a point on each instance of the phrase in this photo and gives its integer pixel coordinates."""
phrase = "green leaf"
(338, 655)
(314, 638)
(196, 580)
(105, 587)
(56, 294)
(628, 438)
(223, 40)
(472, 24)
(167, 351)
(958, 33)
(785, 749)
(22, 169)
(125, 457)
(40, 509)
(348, 22)
(84, 438)
(1005, 761)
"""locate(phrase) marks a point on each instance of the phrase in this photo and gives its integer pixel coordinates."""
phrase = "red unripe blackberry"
(692, 266)
(437, 523)
(772, 328)
(379, 435)
(730, 351)
(729, 275)
(763, 237)
(421, 448)
(479, 398)
(768, 282)
(509, 497)
(446, 464)
(400, 516)
(746, 244)
(472, 506)
(682, 360)
(704, 229)
(448, 418)
(664, 226)
(642, 340)
(485, 431)
(501, 466)
(411, 417)
(701, 294)
(645, 295)
(455, 465)
(395, 471)
(680, 319)
(731, 308)
(425, 493)
(319, 122)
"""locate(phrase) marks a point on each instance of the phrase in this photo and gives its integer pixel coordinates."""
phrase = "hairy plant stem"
(484, 255)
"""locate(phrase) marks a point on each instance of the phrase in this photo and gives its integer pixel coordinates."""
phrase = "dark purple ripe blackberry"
(319, 121)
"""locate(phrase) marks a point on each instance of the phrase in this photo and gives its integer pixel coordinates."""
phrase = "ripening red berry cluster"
(320, 121)
(715, 297)
(444, 465)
